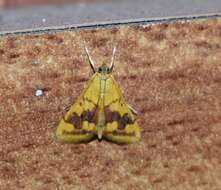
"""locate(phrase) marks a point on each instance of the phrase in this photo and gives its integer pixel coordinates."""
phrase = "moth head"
(104, 69)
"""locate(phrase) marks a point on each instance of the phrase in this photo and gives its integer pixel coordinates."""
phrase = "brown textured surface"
(170, 73)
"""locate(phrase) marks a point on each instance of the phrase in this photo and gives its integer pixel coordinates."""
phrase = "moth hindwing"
(100, 111)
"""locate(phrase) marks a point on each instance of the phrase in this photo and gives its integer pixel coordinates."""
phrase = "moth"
(100, 112)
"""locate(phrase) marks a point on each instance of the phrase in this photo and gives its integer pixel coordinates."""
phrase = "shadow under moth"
(100, 112)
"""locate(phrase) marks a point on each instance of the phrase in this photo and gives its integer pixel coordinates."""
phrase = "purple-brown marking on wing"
(124, 121)
(90, 116)
(77, 121)
(115, 116)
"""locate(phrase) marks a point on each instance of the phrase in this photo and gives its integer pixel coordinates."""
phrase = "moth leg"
(67, 108)
(134, 111)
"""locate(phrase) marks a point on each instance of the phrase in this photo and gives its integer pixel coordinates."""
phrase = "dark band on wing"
(79, 132)
(121, 133)
(77, 121)
(115, 116)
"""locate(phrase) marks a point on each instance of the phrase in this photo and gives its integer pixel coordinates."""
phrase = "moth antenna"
(112, 59)
(90, 60)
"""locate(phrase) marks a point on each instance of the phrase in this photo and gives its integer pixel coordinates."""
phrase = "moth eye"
(108, 70)
(99, 70)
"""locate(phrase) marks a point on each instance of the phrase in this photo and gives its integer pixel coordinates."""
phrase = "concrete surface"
(102, 13)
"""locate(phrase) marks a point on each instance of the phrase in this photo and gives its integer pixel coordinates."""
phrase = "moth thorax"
(103, 77)
(102, 86)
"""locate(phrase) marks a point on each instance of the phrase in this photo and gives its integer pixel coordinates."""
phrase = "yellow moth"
(100, 112)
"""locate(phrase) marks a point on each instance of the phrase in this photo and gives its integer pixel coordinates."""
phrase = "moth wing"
(121, 124)
(78, 124)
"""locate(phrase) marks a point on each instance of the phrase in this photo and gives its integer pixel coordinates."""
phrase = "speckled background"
(171, 73)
